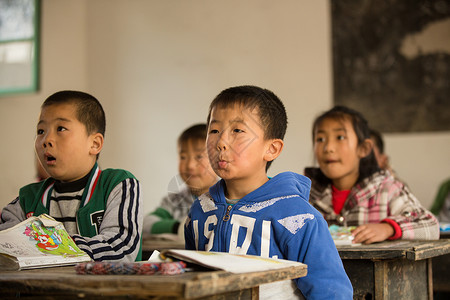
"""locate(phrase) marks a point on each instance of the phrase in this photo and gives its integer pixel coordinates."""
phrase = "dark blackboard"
(391, 61)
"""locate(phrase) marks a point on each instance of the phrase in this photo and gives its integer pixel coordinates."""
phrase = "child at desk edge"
(248, 213)
(350, 189)
(100, 209)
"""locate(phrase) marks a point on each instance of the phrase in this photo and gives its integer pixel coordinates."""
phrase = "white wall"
(156, 65)
(63, 66)
(422, 160)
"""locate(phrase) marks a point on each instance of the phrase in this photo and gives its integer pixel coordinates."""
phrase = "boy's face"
(62, 144)
(236, 145)
(194, 167)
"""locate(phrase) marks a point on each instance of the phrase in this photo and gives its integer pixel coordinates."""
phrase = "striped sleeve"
(11, 215)
(170, 214)
(121, 229)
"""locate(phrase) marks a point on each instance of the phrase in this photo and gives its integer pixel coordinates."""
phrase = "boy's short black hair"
(271, 110)
(195, 132)
(89, 110)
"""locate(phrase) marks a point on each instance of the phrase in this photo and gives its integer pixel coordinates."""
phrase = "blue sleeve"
(326, 277)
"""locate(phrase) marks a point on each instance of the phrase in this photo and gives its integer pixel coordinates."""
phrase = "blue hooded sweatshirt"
(275, 221)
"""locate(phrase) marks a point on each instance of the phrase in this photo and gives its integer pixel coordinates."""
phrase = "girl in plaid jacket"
(349, 189)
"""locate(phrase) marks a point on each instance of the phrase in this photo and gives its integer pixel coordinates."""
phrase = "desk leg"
(430, 278)
(255, 293)
(403, 279)
(381, 279)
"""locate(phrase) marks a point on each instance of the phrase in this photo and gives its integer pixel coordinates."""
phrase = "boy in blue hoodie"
(248, 213)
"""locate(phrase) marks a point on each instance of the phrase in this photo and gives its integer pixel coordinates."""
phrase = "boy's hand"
(371, 233)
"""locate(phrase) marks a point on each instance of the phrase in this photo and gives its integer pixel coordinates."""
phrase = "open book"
(38, 242)
(342, 235)
(233, 263)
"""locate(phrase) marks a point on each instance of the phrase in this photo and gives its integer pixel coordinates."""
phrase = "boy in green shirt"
(100, 209)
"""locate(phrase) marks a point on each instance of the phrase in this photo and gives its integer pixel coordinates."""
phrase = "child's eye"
(40, 131)
(60, 128)
(199, 157)
(341, 137)
(319, 139)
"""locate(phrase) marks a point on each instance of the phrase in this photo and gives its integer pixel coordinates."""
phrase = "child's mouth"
(222, 164)
(50, 160)
(331, 161)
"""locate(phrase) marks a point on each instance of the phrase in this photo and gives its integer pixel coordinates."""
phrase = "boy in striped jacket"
(100, 209)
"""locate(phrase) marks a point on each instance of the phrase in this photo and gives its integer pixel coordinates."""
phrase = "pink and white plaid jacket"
(376, 198)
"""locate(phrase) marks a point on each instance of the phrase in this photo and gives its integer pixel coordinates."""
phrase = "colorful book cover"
(38, 242)
(342, 235)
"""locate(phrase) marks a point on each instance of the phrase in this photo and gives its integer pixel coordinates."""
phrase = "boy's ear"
(365, 148)
(96, 144)
(275, 146)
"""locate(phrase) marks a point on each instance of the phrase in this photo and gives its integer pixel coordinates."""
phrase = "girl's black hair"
(367, 165)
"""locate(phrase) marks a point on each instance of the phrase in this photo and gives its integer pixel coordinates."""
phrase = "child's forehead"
(236, 111)
(66, 111)
(60, 108)
(335, 123)
(192, 144)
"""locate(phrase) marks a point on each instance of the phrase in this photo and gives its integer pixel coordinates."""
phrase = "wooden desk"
(151, 243)
(392, 270)
(64, 283)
